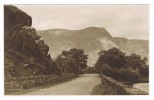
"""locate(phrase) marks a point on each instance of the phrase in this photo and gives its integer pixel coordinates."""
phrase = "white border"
(76, 2)
(2, 97)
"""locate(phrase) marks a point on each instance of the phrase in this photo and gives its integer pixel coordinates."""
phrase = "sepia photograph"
(68, 49)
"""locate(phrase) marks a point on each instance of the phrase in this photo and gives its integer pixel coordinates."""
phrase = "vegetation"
(24, 50)
(116, 64)
(72, 61)
(31, 54)
(90, 70)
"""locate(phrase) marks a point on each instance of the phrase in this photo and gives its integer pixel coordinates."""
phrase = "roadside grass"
(104, 89)
(97, 90)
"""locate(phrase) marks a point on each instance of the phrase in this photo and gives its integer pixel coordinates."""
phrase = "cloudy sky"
(130, 21)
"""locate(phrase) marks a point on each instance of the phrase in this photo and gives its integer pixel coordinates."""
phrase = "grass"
(104, 89)
(97, 90)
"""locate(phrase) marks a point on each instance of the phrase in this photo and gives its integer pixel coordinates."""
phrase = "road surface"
(83, 85)
(142, 86)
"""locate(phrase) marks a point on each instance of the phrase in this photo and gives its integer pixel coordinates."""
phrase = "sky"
(129, 21)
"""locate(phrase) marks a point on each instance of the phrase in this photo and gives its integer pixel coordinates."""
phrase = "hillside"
(92, 40)
(24, 53)
(140, 47)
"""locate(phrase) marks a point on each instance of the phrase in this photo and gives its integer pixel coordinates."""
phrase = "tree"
(134, 61)
(24, 36)
(79, 56)
(59, 62)
(116, 64)
(145, 59)
(72, 60)
(113, 57)
(90, 69)
(70, 65)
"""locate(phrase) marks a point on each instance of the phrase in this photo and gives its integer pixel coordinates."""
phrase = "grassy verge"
(103, 90)
(96, 90)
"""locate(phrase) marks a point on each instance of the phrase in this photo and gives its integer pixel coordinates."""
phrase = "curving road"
(83, 85)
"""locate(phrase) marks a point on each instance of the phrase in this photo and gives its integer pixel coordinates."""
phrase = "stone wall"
(118, 88)
(17, 83)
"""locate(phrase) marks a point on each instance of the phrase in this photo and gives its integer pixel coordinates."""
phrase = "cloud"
(130, 21)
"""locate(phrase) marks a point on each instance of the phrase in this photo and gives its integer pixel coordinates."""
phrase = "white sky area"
(129, 21)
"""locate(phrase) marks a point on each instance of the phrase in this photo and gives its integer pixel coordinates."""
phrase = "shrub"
(114, 63)
(121, 74)
(109, 71)
(144, 70)
(90, 70)
(128, 74)
(106, 70)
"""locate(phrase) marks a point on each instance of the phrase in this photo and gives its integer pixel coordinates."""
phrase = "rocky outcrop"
(27, 41)
(24, 49)
(14, 16)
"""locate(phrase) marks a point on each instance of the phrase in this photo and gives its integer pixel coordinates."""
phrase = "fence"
(16, 83)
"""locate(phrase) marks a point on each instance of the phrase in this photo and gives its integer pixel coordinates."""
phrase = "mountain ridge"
(92, 40)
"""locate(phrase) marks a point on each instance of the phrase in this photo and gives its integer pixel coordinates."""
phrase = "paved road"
(142, 86)
(83, 85)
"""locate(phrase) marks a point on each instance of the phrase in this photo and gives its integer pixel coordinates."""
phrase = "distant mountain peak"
(94, 27)
(91, 39)
(101, 31)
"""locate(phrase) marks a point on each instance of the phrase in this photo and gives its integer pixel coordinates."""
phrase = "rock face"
(14, 16)
(24, 50)
(92, 40)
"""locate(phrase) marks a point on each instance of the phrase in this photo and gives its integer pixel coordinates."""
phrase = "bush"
(128, 74)
(106, 70)
(121, 74)
(90, 70)
(109, 71)
(144, 70)
(114, 63)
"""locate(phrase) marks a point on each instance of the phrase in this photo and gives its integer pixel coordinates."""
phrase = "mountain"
(140, 47)
(92, 40)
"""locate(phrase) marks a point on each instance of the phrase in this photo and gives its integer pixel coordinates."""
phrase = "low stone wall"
(18, 83)
(118, 88)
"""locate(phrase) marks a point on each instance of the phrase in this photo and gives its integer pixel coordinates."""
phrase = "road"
(142, 86)
(83, 85)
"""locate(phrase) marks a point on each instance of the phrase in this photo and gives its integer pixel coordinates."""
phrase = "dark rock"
(14, 16)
